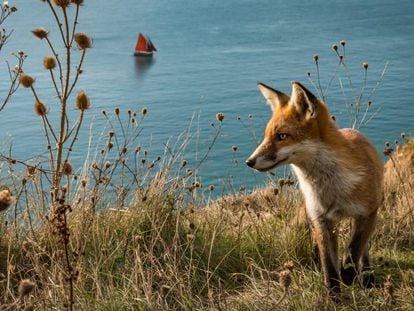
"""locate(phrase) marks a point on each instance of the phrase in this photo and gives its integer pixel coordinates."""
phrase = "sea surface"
(211, 54)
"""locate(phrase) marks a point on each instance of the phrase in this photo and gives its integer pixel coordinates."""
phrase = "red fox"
(339, 171)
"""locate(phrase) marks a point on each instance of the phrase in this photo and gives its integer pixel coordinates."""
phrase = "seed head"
(285, 279)
(220, 116)
(144, 111)
(83, 41)
(82, 101)
(94, 164)
(234, 148)
(49, 62)
(107, 164)
(40, 108)
(61, 3)
(316, 58)
(109, 145)
(365, 65)
(83, 183)
(6, 199)
(25, 288)
(77, 2)
(341, 58)
(342, 42)
(289, 265)
(117, 111)
(211, 187)
(40, 32)
(402, 135)
(26, 80)
(334, 47)
(183, 163)
(67, 168)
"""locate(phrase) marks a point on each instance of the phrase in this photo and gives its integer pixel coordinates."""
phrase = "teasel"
(83, 41)
(40, 33)
(26, 80)
(67, 168)
(82, 101)
(220, 116)
(49, 62)
(40, 108)
(25, 288)
(62, 3)
(6, 199)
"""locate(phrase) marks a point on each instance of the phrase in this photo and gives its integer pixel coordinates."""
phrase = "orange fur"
(339, 171)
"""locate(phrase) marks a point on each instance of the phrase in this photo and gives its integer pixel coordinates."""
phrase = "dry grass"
(168, 251)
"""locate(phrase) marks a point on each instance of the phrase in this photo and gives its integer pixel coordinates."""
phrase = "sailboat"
(144, 46)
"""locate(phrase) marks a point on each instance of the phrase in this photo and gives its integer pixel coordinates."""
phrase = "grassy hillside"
(169, 251)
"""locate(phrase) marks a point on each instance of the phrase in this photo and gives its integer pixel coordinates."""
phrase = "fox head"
(298, 122)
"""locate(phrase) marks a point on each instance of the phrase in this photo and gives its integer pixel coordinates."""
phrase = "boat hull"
(143, 54)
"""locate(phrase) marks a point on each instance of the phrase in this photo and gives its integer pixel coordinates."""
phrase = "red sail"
(142, 44)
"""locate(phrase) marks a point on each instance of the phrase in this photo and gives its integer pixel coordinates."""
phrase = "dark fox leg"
(368, 279)
(327, 241)
(358, 248)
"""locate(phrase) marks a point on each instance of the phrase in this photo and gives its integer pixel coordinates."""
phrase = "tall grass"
(130, 230)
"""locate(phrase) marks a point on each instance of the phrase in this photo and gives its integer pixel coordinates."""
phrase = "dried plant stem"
(57, 20)
(14, 80)
(359, 98)
(78, 72)
(75, 138)
(59, 65)
(63, 117)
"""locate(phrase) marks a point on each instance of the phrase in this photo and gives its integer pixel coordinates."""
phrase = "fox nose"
(250, 162)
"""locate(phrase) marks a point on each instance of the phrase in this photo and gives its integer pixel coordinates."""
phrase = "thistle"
(83, 41)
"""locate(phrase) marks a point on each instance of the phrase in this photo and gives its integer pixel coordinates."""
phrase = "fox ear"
(274, 98)
(305, 102)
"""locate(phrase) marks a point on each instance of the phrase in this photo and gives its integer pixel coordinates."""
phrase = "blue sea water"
(210, 56)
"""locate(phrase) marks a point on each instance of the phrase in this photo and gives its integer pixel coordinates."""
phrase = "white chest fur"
(327, 186)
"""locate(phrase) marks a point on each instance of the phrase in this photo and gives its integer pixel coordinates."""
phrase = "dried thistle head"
(67, 168)
(234, 148)
(40, 108)
(77, 2)
(62, 3)
(289, 265)
(342, 42)
(334, 47)
(82, 101)
(211, 187)
(40, 32)
(144, 111)
(220, 116)
(285, 279)
(49, 62)
(6, 199)
(365, 65)
(316, 58)
(26, 80)
(25, 288)
(83, 41)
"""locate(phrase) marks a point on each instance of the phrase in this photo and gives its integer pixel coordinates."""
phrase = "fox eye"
(281, 136)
